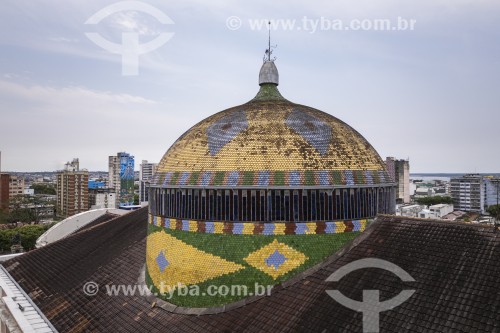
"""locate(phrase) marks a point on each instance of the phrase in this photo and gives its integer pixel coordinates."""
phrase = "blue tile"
(276, 259)
(294, 178)
(263, 178)
(323, 178)
(162, 261)
(368, 176)
(183, 178)
(268, 228)
(224, 130)
(205, 178)
(349, 177)
(301, 229)
(238, 228)
(330, 227)
(168, 176)
(209, 227)
(357, 225)
(316, 132)
(232, 178)
(185, 225)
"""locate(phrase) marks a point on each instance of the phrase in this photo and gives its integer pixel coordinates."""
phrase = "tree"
(494, 211)
(28, 233)
(25, 208)
(435, 200)
(44, 189)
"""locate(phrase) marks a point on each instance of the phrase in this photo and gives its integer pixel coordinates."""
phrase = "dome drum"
(271, 205)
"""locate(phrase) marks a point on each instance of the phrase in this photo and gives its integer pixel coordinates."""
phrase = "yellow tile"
(218, 227)
(248, 228)
(279, 228)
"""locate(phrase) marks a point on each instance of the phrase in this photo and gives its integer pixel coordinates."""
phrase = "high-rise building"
(16, 186)
(72, 190)
(4, 191)
(121, 178)
(468, 193)
(145, 175)
(491, 191)
(399, 170)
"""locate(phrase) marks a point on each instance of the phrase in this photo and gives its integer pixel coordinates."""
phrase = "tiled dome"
(257, 194)
(267, 137)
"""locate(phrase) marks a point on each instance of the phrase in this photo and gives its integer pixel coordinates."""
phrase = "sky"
(430, 94)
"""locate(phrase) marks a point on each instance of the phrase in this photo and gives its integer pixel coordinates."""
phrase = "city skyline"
(428, 94)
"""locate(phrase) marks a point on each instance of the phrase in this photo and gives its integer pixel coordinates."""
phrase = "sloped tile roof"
(456, 268)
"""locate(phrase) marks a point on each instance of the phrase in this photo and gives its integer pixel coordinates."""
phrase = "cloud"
(131, 21)
(63, 39)
(42, 125)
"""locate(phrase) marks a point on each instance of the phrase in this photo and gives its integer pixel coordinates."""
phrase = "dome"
(254, 195)
(270, 136)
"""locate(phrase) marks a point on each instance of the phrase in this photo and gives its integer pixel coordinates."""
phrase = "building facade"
(102, 198)
(121, 178)
(145, 175)
(399, 170)
(4, 191)
(72, 190)
(16, 186)
(468, 193)
(492, 191)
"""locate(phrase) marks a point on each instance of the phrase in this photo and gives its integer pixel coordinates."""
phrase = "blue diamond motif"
(224, 130)
(162, 261)
(312, 129)
(276, 259)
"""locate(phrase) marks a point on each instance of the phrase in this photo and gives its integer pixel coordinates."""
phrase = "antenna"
(269, 50)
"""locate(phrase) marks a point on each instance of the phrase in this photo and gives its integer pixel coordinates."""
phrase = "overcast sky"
(430, 94)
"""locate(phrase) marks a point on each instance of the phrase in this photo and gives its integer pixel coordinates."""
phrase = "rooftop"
(455, 267)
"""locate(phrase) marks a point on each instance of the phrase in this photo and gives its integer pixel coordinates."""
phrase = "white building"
(29, 191)
(424, 191)
(468, 193)
(105, 200)
(409, 210)
(145, 175)
(441, 210)
(436, 211)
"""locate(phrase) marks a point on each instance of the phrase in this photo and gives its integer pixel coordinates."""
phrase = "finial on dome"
(269, 50)
(268, 71)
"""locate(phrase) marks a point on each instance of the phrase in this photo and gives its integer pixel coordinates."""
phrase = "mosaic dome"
(271, 136)
(255, 195)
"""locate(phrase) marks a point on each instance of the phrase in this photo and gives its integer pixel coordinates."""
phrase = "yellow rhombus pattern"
(187, 265)
(293, 260)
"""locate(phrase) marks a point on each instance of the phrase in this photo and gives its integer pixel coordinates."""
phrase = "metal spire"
(269, 50)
